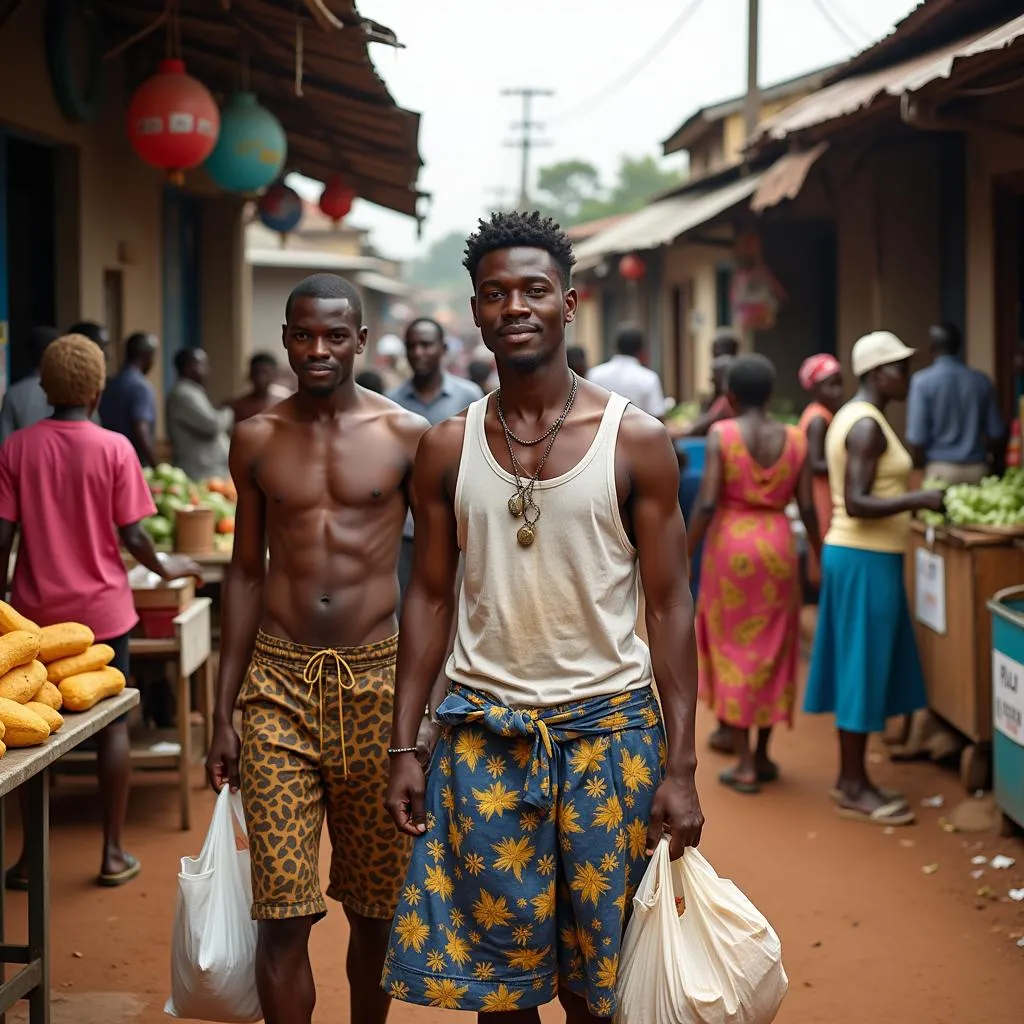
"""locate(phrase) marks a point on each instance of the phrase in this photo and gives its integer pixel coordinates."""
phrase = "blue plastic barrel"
(1007, 608)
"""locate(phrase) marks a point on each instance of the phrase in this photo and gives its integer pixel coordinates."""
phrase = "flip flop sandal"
(121, 877)
(890, 794)
(896, 812)
(769, 774)
(14, 882)
(728, 778)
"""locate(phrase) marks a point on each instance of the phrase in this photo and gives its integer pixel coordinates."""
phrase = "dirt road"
(867, 934)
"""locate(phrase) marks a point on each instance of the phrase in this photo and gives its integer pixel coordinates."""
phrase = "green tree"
(569, 187)
(573, 193)
(440, 267)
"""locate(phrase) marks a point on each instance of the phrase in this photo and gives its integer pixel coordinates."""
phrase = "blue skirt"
(865, 666)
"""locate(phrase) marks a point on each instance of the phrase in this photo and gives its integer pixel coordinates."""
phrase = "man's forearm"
(674, 658)
(240, 620)
(425, 642)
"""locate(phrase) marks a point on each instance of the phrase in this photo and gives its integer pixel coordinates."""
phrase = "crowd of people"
(495, 777)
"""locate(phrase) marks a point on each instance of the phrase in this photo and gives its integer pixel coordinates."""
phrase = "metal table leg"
(37, 840)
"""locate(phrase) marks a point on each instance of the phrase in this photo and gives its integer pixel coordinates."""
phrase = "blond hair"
(73, 371)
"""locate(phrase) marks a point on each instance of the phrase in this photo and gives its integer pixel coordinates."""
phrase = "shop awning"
(308, 63)
(851, 95)
(785, 178)
(663, 221)
(379, 283)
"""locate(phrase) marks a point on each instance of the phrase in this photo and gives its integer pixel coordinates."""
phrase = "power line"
(837, 25)
(636, 67)
(527, 140)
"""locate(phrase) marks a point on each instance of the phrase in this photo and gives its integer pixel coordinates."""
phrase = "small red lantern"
(586, 293)
(336, 198)
(631, 267)
(173, 121)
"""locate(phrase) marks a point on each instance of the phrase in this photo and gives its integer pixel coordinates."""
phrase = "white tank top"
(554, 622)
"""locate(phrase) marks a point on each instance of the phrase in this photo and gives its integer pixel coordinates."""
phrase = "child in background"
(74, 490)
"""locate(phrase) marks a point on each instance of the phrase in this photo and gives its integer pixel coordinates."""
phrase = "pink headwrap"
(817, 368)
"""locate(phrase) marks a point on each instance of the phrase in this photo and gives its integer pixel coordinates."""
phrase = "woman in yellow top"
(865, 666)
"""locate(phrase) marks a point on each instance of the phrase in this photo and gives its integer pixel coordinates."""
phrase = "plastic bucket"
(194, 531)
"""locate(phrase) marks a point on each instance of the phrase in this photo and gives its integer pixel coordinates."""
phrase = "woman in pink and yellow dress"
(748, 609)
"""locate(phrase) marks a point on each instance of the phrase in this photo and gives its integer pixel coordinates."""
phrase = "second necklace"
(522, 503)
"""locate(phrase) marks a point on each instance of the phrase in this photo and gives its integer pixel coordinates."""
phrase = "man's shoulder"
(463, 387)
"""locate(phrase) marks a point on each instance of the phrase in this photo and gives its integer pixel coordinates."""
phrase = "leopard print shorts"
(315, 728)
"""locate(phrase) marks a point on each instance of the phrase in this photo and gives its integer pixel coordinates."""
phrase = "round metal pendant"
(526, 536)
(515, 505)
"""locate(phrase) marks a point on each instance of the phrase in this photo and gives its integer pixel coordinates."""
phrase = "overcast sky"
(460, 54)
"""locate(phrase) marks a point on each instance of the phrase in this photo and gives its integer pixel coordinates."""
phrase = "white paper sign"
(1008, 696)
(930, 590)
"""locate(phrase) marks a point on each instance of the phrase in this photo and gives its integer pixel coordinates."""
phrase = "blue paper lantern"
(280, 209)
(251, 148)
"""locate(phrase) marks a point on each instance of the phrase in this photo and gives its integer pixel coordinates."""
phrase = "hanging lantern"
(251, 148)
(336, 198)
(586, 293)
(280, 208)
(631, 267)
(173, 120)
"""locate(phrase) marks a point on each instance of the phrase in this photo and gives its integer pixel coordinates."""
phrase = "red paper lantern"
(631, 267)
(336, 198)
(173, 121)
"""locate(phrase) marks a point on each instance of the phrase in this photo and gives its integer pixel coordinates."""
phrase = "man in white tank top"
(555, 775)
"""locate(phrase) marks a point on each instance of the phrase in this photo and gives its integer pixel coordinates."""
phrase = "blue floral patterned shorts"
(536, 841)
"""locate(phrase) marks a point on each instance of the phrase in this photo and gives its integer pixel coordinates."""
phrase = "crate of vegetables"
(174, 492)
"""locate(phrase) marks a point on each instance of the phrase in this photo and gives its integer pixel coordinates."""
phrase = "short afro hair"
(326, 286)
(520, 230)
(430, 322)
(91, 330)
(629, 339)
(267, 359)
(752, 380)
(73, 371)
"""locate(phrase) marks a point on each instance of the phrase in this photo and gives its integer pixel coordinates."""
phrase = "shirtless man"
(308, 652)
(555, 777)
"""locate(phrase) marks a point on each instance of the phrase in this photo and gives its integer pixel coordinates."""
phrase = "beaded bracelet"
(401, 750)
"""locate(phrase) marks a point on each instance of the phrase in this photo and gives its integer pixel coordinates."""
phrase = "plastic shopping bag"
(696, 950)
(213, 951)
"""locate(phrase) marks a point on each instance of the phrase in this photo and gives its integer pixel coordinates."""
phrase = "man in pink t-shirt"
(74, 490)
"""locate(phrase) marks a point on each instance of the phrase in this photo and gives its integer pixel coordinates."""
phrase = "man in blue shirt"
(128, 405)
(954, 429)
(432, 393)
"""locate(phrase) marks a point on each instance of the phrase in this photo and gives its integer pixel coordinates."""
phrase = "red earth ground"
(867, 935)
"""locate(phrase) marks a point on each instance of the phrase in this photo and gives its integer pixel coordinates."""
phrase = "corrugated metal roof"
(852, 94)
(663, 221)
(785, 177)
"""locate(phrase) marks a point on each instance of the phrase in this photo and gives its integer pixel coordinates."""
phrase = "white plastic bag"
(213, 951)
(696, 950)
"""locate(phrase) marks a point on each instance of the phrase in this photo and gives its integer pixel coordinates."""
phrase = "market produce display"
(995, 502)
(43, 670)
(173, 491)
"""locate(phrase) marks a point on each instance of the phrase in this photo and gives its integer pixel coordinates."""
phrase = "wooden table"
(951, 574)
(30, 768)
(190, 648)
(212, 564)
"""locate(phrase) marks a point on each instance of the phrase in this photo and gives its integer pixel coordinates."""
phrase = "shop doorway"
(27, 249)
(1009, 274)
(181, 278)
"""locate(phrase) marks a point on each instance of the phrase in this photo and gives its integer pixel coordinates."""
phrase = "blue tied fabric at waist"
(600, 716)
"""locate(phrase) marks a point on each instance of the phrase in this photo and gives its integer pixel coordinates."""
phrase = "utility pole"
(527, 141)
(752, 105)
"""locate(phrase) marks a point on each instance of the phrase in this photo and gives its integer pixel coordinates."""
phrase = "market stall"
(955, 564)
(29, 768)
